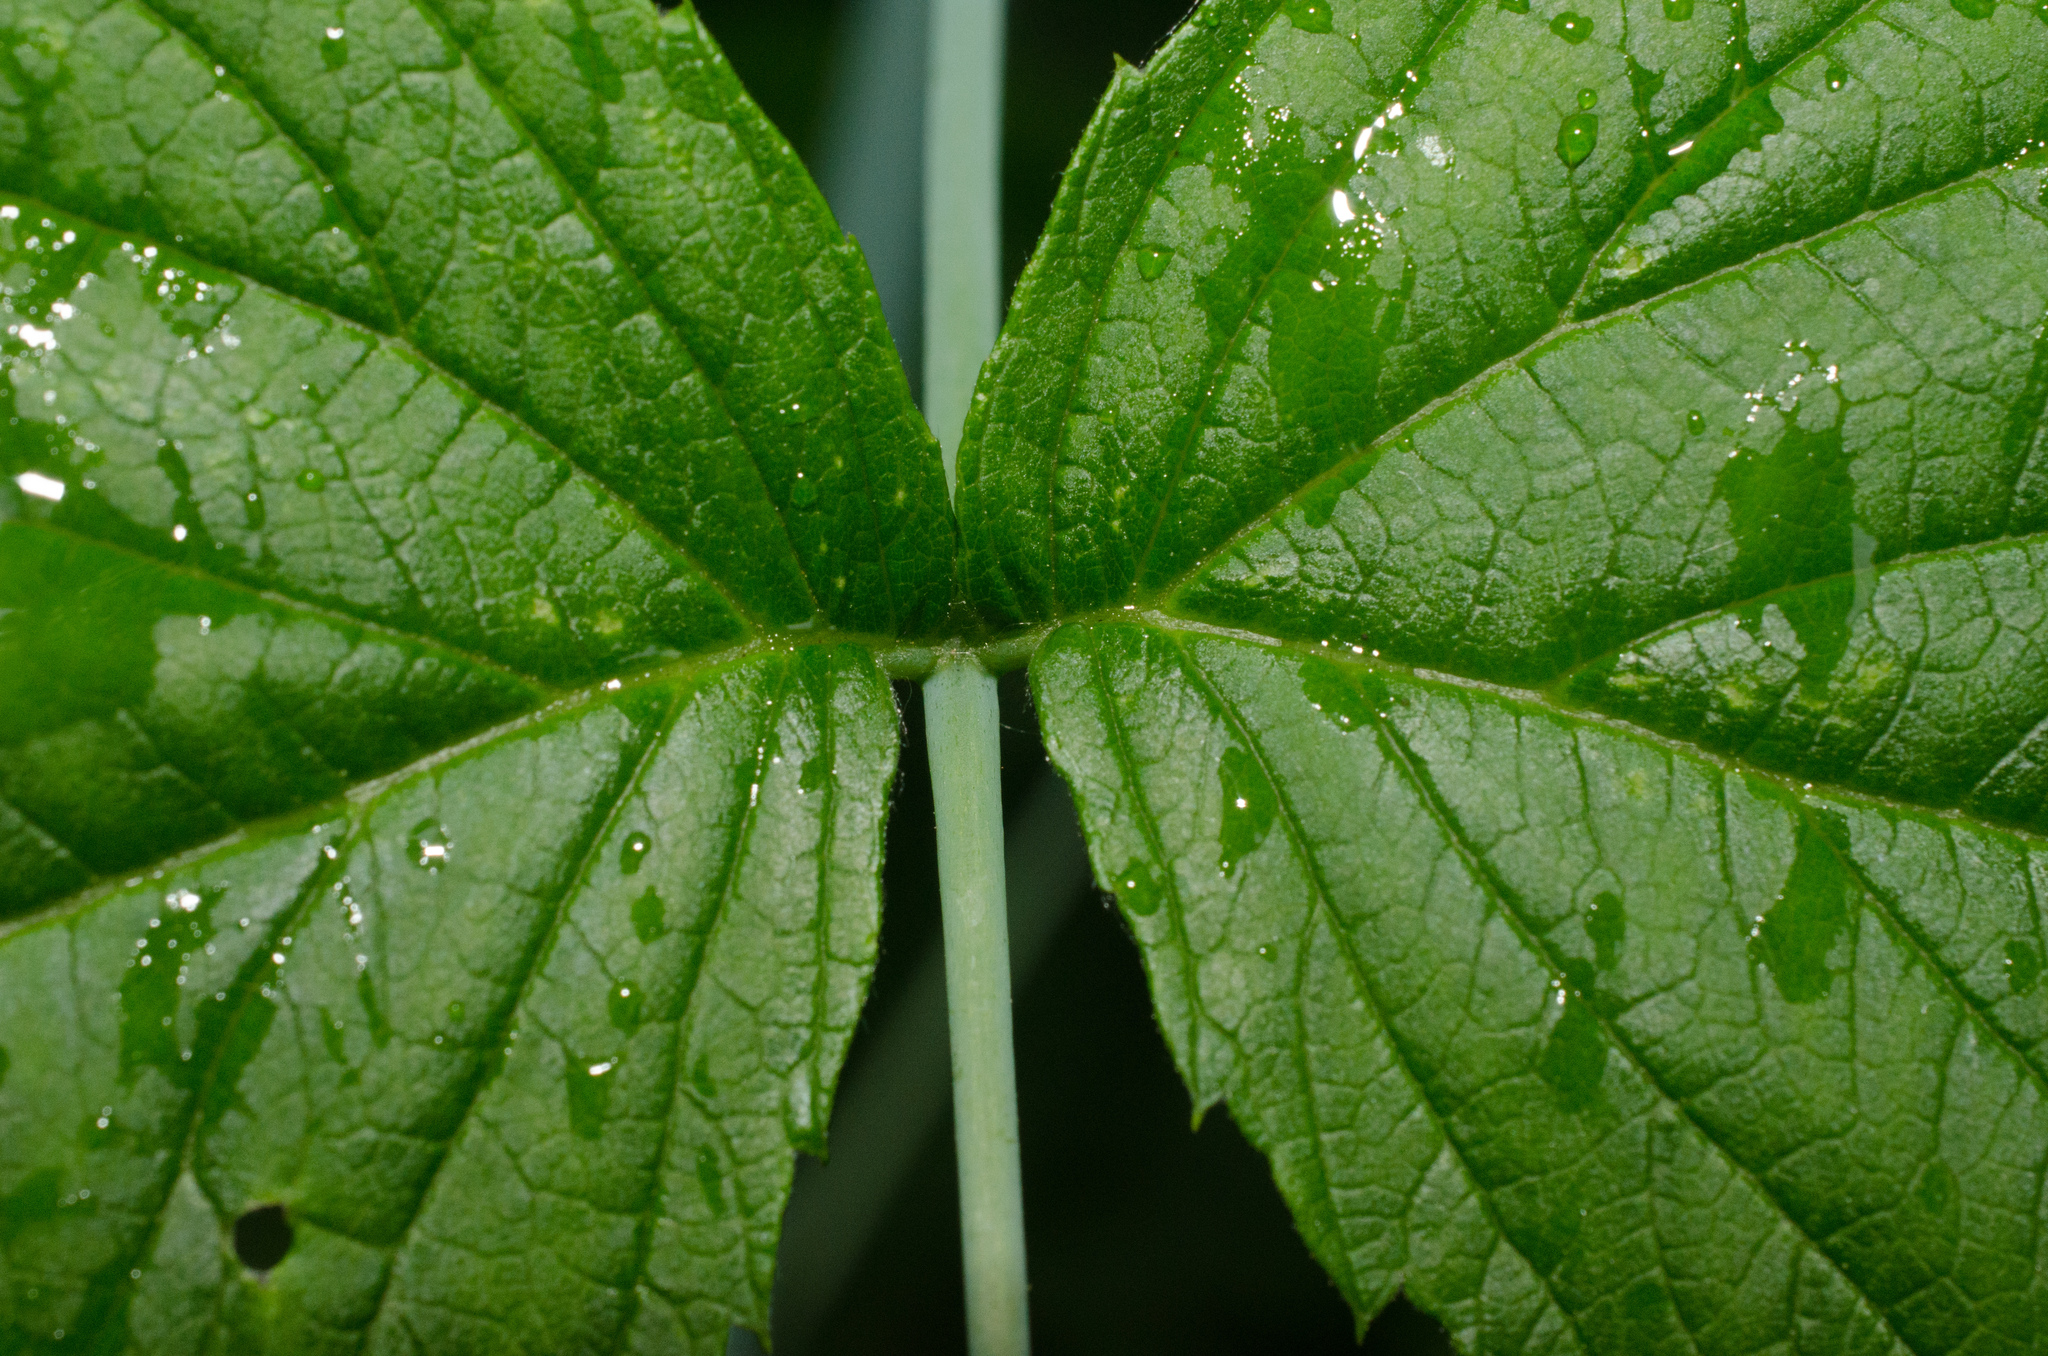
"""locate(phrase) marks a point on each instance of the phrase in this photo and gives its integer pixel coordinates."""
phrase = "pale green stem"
(963, 282)
(962, 738)
(963, 134)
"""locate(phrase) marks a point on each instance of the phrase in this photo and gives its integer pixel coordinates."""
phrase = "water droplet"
(633, 853)
(590, 1093)
(1575, 1057)
(1152, 261)
(623, 1002)
(455, 1012)
(1348, 701)
(1588, 98)
(1678, 11)
(380, 1028)
(1576, 137)
(1310, 16)
(1838, 75)
(803, 493)
(648, 924)
(2022, 968)
(334, 49)
(1695, 423)
(430, 844)
(1937, 1188)
(801, 1109)
(1974, 9)
(701, 1080)
(1573, 28)
(1606, 927)
(1793, 939)
(1249, 807)
(711, 1181)
(816, 775)
(1137, 889)
(252, 510)
(331, 1036)
(311, 481)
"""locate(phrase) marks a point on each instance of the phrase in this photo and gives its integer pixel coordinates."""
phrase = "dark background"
(1145, 1235)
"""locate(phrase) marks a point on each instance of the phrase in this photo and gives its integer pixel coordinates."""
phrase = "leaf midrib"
(367, 790)
(432, 11)
(916, 661)
(1387, 440)
(1553, 703)
(1214, 369)
(738, 843)
(1481, 872)
(404, 346)
(1325, 904)
(1566, 326)
(529, 970)
(1763, 79)
(845, 257)
(1879, 569)
(1796, 791)
(542, 687)
(402, 326)
(247, 981)
(1566, 322)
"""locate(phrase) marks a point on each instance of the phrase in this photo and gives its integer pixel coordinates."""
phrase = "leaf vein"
(1372, 450)
(529, 970)
(413, 352)
(246, 983)
(1483, 875)
(736, 847)
(435, 13)
(1924, 950)
(1298, 841)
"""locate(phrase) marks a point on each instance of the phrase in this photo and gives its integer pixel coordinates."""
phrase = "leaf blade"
(1383, 823)
(396, 143)
(1436, 292)
(391, 1149)
(427, 427)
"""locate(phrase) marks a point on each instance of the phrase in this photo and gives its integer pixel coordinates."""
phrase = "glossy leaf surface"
(523, 1038)
(427, 431)
(1549, 502)
(1537, 513)
(1591, 1042)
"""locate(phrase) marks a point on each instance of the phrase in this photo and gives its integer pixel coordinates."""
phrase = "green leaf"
(523, 1037)
(457, 478)
(1588, 1040)
(1532, 521)
(1549, 506)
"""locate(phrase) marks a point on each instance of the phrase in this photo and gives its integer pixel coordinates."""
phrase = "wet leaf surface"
(448, 450)
(1546, 508)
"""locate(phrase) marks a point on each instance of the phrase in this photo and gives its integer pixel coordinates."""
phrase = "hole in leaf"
(262, 1237)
